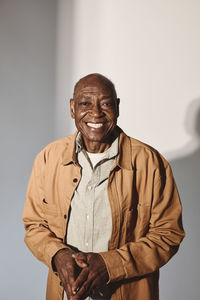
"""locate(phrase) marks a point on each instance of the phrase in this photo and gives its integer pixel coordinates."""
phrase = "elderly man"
(102, 209)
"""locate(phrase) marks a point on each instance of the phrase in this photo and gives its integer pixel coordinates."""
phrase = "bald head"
(95, 79)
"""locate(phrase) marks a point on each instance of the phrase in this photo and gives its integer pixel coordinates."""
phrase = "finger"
(81, 263)
(84, 290)
(76, 286)
(71, 273)
(66, 286)
(67, 279)
(95, 284)
(68, 291)
(81, 259)
(80, 255)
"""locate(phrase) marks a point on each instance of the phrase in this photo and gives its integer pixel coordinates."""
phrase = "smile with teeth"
(95, 125)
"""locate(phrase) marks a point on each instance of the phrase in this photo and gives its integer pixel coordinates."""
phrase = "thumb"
(80, 259)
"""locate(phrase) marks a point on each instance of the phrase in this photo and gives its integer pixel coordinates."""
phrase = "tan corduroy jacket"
(146, 215)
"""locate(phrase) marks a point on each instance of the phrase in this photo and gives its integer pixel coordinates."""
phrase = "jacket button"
(65, 216)
(61, 284)
(75, 180)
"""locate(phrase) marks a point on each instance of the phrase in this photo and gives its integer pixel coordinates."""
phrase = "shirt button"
(89, 187)
(75, 180)
(86, 244)
(87, 217)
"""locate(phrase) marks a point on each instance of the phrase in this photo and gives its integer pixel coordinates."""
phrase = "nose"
(96, 110)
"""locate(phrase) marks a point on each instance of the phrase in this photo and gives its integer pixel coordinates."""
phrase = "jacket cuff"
(51, 250)
(114, 265)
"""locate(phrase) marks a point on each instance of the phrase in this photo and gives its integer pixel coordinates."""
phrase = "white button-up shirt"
(90, 222)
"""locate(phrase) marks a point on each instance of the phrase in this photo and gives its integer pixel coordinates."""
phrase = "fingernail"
(76, 290)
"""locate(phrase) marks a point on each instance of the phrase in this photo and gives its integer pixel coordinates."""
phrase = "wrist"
(58, 257)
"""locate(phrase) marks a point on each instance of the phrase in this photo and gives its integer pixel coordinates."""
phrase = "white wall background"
(150, 49)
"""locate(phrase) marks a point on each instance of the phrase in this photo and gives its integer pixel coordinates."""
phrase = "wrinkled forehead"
(94, 86)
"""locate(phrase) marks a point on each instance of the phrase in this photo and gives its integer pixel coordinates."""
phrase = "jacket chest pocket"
(137, 222)
(143, 219)
(53, 219)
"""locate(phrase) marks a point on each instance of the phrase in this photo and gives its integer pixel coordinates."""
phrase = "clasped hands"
(80, 273)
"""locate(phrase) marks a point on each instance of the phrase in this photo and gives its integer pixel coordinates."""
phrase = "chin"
(95, 139)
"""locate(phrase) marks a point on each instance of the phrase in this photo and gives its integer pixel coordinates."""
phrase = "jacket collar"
(69, 155)
(123, 159)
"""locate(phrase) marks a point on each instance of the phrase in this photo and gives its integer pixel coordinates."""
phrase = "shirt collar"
(79, 143)
(124, 156)
(109, 153)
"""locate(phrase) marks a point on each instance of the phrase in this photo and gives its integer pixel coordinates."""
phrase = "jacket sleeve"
(159, 244)
(42, 242)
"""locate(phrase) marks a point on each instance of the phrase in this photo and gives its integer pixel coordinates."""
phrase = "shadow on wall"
(186, 169)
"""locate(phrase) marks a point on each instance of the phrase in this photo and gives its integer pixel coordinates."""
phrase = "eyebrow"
(106, 97)
(88, 95)
(84, 96)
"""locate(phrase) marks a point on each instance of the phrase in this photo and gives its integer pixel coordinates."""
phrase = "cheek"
(80, 114)
(112, 117)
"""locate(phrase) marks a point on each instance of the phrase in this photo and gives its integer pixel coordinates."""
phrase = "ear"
(117, 104)
(72, 108)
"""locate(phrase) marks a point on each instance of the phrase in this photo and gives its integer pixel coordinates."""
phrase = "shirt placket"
(90, 199)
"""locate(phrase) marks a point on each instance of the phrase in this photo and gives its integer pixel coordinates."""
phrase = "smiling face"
(95, 110)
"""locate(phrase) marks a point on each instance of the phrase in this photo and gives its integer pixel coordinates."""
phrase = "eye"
(84, 103)
(107, 104)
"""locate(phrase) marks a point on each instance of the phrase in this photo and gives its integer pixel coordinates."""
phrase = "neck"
(99, 147)
(96, 147)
